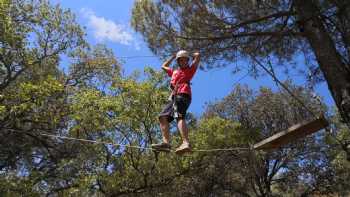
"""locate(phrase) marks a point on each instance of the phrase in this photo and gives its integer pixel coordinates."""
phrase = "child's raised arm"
(196, 59)
(165, 65)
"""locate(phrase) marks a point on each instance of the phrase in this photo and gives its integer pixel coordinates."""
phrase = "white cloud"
(107, 30)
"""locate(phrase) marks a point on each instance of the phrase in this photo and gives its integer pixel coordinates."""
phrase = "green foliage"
(262, 32)
(337, 139)
(263, 113)
(34, 96)
(219, 133)
(16, 187)
(38, 97)
(94, 101)
(220, 29)
(94, 66)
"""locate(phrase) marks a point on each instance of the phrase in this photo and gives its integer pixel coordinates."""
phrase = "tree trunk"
(333, 68)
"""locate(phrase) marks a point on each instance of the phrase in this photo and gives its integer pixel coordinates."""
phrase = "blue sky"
(107, 21)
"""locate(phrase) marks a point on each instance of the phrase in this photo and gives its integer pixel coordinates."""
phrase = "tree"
(92, 100)
(34, 35)
(125, 114)
(285, 170)
(340, 163)
(277, 31)
(36, 94)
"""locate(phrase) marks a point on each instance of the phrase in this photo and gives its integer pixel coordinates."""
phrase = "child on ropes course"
(179, 101)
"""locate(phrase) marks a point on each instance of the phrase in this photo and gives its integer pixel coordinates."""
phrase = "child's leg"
(164, 127)
(183, 103)
(181, 123)
(185, 146)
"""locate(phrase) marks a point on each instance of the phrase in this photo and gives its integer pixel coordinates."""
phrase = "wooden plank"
(297, 131)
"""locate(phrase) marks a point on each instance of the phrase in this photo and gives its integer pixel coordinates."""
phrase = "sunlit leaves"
(219, 133)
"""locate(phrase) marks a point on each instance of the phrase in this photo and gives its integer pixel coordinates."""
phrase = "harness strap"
(173, 97)
(174, 89)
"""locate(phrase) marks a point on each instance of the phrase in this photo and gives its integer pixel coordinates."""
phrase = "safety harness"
(173, 94)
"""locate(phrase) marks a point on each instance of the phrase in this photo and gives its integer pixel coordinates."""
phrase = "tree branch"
(248, 34)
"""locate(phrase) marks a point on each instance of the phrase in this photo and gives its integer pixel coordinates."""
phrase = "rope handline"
(283, 86)
(136, 147)
(240, 79)
(136, 56)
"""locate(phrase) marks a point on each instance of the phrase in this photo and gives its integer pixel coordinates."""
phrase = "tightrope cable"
(93, 141)
(137, 147)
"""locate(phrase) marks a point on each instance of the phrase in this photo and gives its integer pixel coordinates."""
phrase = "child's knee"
(163, 120)
(180, 117)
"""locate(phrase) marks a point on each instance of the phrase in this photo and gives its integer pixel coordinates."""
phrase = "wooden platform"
(297, 131)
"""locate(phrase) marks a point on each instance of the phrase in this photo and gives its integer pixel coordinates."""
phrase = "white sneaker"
(184, 148)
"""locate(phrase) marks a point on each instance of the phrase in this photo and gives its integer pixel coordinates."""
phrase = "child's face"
(182, 61)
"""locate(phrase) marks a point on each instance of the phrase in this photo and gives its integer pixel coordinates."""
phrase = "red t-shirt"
(182, 77)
